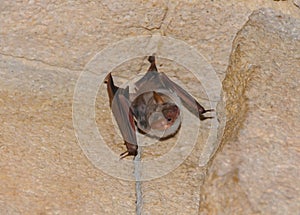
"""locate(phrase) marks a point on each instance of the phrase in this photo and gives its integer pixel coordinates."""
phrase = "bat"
(149, 110)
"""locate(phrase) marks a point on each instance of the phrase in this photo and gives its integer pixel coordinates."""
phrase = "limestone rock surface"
(44, 46)
(257, 170)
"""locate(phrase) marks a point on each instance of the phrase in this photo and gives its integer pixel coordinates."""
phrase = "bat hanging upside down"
(149, 109)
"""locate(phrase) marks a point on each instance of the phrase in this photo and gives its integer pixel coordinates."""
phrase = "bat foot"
(126, 154)
(152, 67)
(206, 117)
(131, 150)
(151, 59)
(107, 78)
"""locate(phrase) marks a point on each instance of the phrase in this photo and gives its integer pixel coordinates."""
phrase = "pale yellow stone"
(44, 45)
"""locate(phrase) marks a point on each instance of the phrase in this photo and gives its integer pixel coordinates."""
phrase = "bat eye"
(169, 119)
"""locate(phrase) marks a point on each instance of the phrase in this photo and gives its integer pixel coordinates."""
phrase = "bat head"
(163, 116)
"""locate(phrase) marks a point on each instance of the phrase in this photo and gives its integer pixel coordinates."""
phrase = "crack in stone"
(38, 61)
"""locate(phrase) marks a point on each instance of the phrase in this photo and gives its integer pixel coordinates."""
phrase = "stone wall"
(44, 46)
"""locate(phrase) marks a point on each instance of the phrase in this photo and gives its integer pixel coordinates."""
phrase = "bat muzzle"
(163, 127)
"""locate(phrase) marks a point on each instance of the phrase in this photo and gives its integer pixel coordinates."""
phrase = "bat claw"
(209, 110)
(205, 117)
(124, 154)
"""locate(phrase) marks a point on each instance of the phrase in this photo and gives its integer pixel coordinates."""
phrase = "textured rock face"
(45, 44)
(42, 168)
(257, 170)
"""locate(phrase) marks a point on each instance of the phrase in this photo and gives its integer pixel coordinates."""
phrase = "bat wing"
(148, 82)
(120, 105)
(188, 101)
(151, 80)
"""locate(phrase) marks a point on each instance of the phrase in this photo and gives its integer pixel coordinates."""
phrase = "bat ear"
(157, 98)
